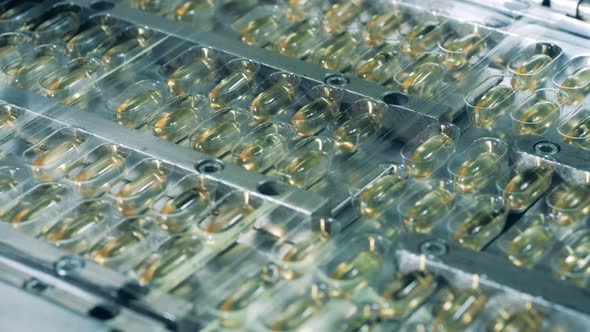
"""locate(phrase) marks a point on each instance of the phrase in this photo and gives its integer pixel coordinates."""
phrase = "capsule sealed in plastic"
(406, 293)
(194, 74)
(458, 309)
(341, 14)
(62, 25)
(516, 320)
(459, 51)
(491, 105)
(382, 26)
(222, 133)
(71, 230)
(300, 39)
(569, 204)
(381, 67)
(179, 118)
(97, 176)
(260, 31)
(535, 117)
(572, 261)
(262, 149)
(26, 74)
(198, 13)
(576, 131)
(17, 11)
(377, 196)
(479, 223)
(276, 99)
(158, 269)
(575, 87)
(424, 78)
(525, 186)
(56, 160)
(96, 39)
(421, 215)
(179, 211)
(360, 122)
(422, 38)
(138, 193)
(235, 86)
(338, 53)
(122, 245)
(131, 44)
(13, 45)
(430, 150)
(299, 259)
(293, 315)
(529, 73)
(139, 108)
(532, 243)
(308, 162)
(45, 198)
(315, 116)
(73, 84)
(476, 168)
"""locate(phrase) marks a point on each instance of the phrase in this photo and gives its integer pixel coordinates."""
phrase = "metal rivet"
(34, 285)
(336, 79)
(434, 248)
(546, 148)
(209, 166)
(68, 264)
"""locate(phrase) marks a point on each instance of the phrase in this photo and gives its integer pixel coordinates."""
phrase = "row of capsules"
(388, 43)
(356, 284)
(222, 106)
(114, 205)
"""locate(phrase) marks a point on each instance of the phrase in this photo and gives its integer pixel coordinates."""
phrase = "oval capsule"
(380, 68)
(186, 77)
(424, 80)
(175, 125)
(422, 38)
(377, 196)
(525, 187)
(477, 173)
(59, 158)
(458, 310)
(226, 216)
(569, 204)
(575, 87)
(255, 156)
(460, 50)
(94, 39)
(405, 293)
(124, 52)
(138, 193)
(338, 53)
(260, 31)
(421, 216)
(301, 40)
(382, 26)
(272, 101)
(579, 134)
(479, 228)
(138, 109)
(537, 118)
(355, 131)
(518, 320)
(341, 14)
(296, 172)
(41, 199)
(103, 171)
(63, 25)
(232, 88)
(315, 116)
(121, 241)
(531, 244)
(292, 316)
(72, 226)
(216, 140)
(493, 104)
(178, 212)
(527, 75)
(438, 147)
(573, 260)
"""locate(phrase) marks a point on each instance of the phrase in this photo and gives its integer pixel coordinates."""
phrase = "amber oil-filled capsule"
(526, 74)
(338, 53)
(457, 310)
(267, 145)
(308, 162)
(226, 216)
(235, 86)
(199, 13)
(169, 257)
(94, 39)
(354, 271)
(460, 50)
(74, 225)
(105, 170)
(536, 118)
(532, 243)
(383, 25)
(62, 25)
(276, 99)
(56, 160)
(13, 44)
(480, 226)
(300, 40)
(16, 10)
(579, 133)
(138, 109)
(381, 67)
(293, 315)
(524, 187)
(430, 150)
(41, 199)
(572, 262)
(424, 78)
(222, 133)
(518, 320)
(138, 193)
(260, 31)
(476, 173)
(122, 240)
(569, 204)
(8, 180)
(575, 87)
(405, 293)
(421, 216)
(377, 196)
(318, 113)
(422, 38)
(129, 48)
(341, 14)
(179, 211)
(71, 86)
(361, 121)
(491, 105)
(180, 117)
(25, 74)
(196, 73)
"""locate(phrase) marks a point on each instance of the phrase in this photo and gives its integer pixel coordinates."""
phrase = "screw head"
(434, 248)
(546, 148)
